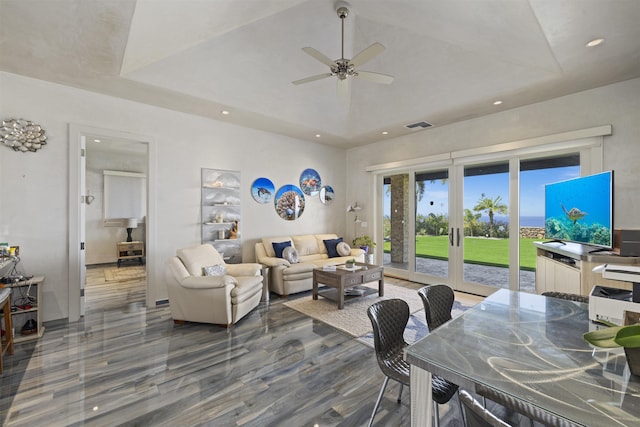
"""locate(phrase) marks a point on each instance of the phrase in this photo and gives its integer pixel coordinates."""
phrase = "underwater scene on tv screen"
(580, 210)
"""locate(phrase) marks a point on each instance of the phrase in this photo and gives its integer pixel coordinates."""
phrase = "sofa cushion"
(291, 254)
(306, 244)
(331, 246)
(278, 247)
(214, 270)
(320, 238)
(343, 249)
(197, 257)
(267, 242)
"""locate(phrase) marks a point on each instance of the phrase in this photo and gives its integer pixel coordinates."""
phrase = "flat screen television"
(581, 210)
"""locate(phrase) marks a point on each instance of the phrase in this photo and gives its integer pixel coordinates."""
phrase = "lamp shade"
(132, 223)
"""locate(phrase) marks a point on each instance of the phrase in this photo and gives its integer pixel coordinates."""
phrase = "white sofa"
(289, 278)
(221, 299)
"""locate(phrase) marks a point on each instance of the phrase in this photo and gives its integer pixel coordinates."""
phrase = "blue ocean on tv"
(580, 210)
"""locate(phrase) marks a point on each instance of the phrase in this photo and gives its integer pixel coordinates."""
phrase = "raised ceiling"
(451, 59)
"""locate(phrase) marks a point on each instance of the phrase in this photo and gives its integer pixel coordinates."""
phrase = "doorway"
(93, 240)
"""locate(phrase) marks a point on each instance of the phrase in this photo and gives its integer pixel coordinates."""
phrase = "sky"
(435, 199)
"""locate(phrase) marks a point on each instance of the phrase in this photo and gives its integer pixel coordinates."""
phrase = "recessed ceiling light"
(595, 42)
(317, 135)
(497, 102)
(385, 133)
(96, 140)
(225, 112)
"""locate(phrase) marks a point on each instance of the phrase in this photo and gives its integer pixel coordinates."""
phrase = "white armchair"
(218, 299)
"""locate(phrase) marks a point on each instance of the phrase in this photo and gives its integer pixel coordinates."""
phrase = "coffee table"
(341, 279)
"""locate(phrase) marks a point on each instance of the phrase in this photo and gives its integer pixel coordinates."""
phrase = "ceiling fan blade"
(343, 89)
(312, 78)
(375, 77)
(367, 55)
(319, 56)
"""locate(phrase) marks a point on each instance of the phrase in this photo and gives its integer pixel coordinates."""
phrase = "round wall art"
(289, 202)
(310, 182)
(262, 190)
(327, 195)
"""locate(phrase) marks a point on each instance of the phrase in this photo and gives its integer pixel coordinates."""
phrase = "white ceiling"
(451, 58)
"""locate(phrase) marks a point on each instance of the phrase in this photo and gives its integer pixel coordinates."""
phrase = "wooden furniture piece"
(26, 297)
(342, 279)
(529, 348)
(7, 327)
(567, 268)
(130, 250)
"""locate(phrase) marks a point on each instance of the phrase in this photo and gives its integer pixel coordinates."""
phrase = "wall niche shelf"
(220, 208)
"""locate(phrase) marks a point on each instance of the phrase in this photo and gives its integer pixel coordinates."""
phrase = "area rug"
(353, 319)
(124, 273)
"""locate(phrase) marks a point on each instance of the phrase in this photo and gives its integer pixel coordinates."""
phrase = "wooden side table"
(7, 340)
(130, 250)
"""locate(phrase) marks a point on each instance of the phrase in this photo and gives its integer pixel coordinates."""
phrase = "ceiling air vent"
(418, 125)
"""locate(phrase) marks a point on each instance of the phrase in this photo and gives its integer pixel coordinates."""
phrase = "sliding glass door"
(471, 226)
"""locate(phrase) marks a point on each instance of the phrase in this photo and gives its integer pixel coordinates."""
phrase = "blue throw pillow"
(278, 247)
(331, 246)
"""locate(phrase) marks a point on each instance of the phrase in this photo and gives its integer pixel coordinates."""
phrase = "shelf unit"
(568, 268)
(220, 206)
(26, 293)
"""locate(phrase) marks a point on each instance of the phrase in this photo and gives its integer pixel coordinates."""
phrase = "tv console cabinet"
(567, 267)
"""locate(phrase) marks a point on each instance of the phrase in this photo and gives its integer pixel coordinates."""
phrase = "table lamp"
(131, 224)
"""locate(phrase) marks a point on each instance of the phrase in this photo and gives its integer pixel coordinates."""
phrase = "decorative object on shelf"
(364, 242)
(22, 135)
(310, 182)
(234, 233)
(220, 210)
(131, 224)
(327, 195)
(627, 336)
(289, 202)
(262, 190)
(354, 208)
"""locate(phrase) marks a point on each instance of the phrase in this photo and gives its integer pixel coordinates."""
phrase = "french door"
(460, 224)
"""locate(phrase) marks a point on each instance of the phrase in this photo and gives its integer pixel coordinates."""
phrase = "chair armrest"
(244, 269)
(208, 282)
(273, 261)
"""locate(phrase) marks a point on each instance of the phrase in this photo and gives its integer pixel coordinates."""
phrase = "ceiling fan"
(343, 67)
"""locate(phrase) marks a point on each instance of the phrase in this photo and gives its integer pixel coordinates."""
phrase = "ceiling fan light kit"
(343, 68)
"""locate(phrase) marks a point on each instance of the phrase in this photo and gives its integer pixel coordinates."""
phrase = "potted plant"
(350, 263)
(627, 336)
(364, 242)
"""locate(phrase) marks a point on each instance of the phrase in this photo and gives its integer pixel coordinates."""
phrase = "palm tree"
(471, 220)
(491, 206)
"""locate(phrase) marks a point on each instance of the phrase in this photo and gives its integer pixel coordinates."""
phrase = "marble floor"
(126, 364)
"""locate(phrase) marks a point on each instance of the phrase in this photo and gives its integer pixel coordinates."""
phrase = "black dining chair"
(532, 412)
(476, 415)
(438, 302)
(389, 319)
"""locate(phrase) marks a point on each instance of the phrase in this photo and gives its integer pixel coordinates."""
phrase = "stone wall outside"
(532, 232)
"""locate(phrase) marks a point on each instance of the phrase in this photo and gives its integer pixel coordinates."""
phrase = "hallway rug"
(124, 273)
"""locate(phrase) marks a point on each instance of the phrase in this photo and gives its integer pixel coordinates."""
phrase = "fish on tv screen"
(581, 210)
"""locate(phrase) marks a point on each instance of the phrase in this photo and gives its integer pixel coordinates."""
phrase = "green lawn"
(477, 250)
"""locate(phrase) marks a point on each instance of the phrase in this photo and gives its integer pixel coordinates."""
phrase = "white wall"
(34, 191)
(617, 104)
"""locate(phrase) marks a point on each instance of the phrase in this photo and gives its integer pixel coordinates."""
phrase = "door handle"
(451, 237)
(458, 235)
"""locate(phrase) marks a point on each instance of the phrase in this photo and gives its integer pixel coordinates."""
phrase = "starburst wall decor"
(22, 135)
